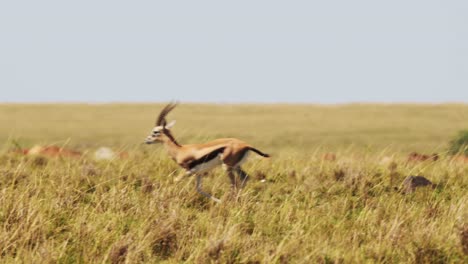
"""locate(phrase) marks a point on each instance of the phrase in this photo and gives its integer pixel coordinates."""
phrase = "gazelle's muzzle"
(150, 140)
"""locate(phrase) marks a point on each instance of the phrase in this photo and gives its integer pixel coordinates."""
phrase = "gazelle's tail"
(259, 152)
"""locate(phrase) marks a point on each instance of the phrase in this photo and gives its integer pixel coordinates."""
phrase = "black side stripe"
(205, 158)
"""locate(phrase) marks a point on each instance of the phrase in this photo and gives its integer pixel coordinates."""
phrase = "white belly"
(203, 167)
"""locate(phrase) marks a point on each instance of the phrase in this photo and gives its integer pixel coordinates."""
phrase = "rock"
(413, 182)
(415, 157)
(104, 153)
(329, 156)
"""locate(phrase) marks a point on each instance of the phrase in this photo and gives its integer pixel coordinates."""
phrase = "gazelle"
(196, 159)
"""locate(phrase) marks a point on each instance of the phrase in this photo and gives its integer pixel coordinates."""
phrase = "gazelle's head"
(161, 130)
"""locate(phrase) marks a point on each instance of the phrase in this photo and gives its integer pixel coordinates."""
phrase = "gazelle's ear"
(171, 124)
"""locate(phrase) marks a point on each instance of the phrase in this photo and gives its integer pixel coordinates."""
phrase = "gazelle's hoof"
(178, 179)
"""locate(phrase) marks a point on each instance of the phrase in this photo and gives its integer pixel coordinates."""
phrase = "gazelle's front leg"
(188, 173)
(200, 191)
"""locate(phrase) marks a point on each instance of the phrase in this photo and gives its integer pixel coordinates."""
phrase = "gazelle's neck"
(171, 145)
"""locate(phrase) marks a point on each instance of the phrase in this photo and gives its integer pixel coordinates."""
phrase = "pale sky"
(234, 51)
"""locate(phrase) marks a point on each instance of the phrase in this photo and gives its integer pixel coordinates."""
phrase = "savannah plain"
(296, 208)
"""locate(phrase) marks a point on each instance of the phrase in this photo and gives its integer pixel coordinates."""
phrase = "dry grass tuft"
(430, 255)
(147, 185)
(464, 239)
(164, 242)
(39, 161)
(118, 253)
(339, 175)
(215, 249)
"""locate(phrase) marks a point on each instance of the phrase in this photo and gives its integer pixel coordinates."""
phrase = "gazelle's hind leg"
(232, 178)
(200, 191)
(244, 177)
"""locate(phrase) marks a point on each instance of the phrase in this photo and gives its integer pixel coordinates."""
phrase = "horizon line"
(232, 102)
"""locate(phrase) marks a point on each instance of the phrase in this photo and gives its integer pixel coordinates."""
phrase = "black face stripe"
(205, 158)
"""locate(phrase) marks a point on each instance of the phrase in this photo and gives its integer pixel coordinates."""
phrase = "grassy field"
(67, 210)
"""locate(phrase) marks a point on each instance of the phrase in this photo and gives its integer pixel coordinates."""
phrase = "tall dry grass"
(65, 210)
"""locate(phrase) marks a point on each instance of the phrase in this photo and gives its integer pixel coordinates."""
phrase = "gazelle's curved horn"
(162, 116)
